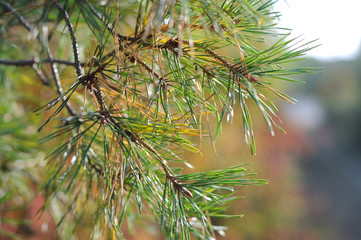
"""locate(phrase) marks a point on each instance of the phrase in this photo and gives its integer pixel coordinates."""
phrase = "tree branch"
(41, 75)
(17, 15)
(55, 72)
(18, 63)
(73, 38)
(30, 62)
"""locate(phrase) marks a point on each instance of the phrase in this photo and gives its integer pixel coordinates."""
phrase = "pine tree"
(129, 86)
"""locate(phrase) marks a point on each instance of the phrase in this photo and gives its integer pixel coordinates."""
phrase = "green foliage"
(149, 76)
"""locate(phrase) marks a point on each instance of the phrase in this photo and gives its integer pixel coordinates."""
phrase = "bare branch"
(73, 38)
(30, 62)
(18, 63)
(41, 75)
(18, 16)
(55, 72)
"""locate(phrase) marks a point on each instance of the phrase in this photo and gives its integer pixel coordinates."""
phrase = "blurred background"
(314, 170)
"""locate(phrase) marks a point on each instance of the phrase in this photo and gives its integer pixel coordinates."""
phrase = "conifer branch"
(73, 38)
(143, 97)
(31, 62)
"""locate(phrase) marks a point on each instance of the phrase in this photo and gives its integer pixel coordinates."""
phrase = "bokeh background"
(314, 170)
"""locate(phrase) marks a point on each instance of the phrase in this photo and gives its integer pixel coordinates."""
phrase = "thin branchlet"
(31, 62)
(58, 85)
(73, 38)
(41, 75)
(17, 15)
(18, 63)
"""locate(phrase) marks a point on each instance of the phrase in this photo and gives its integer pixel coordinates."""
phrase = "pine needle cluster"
(147, 78)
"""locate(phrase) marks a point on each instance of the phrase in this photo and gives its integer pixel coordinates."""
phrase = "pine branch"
(36, 61)
(73, 38)
(143, 97)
